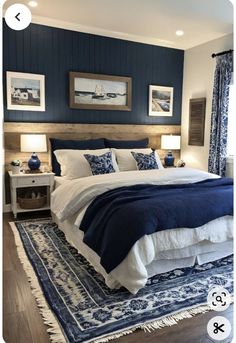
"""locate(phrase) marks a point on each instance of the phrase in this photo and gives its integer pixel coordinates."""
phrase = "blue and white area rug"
(77, 305)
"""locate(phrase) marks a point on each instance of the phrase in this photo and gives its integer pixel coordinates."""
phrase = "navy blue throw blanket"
(116, 219)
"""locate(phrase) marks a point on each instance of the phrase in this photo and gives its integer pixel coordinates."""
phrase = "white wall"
(199, 68)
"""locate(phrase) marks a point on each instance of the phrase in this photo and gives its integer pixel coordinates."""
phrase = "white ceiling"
(148, 21)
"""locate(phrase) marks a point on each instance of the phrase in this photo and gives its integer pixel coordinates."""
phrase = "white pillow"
(126, 161)
(74, 165)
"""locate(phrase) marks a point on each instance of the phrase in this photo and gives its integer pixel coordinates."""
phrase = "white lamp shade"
(33, 143)
(170, 142)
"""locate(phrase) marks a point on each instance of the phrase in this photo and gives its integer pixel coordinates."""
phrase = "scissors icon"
(218, 328)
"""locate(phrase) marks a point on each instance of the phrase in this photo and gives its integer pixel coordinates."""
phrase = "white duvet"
(73, 198)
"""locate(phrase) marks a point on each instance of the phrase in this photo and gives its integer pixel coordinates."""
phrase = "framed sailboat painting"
(100, 92)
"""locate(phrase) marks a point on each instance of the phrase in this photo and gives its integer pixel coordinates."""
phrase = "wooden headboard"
(12, 132)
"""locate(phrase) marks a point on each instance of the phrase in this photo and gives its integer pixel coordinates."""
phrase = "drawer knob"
(33, 181)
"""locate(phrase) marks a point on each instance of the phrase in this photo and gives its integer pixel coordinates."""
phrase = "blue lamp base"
(169, 159)
(34, 162)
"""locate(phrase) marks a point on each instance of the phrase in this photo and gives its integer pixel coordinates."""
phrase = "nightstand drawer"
(34, 181)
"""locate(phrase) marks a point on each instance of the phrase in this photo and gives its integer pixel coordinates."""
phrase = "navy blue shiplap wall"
(54, 52)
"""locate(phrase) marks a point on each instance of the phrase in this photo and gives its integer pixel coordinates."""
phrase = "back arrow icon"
(17, 16)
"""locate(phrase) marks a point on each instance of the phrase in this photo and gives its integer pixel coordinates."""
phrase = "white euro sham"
(74, 165)
(126, 161)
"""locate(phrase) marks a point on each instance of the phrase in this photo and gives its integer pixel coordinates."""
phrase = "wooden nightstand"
(23, 182)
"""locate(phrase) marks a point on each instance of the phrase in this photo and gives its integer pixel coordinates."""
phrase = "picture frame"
(160, 101)
(25, 92)
(100, 92)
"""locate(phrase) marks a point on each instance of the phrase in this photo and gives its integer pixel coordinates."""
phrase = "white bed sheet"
(152, 254)
(74, 196)
(59, 180)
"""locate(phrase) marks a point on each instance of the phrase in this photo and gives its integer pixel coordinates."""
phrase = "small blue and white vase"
(34, 162)
(169, 159)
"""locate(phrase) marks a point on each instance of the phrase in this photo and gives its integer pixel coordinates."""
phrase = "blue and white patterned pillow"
(100, 164)
(145, 161)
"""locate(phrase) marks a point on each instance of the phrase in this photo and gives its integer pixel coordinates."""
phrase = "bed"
(153, 253)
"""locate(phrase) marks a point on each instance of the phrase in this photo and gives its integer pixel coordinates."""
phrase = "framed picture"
(100, 92)
(160, 101)
(25, 92)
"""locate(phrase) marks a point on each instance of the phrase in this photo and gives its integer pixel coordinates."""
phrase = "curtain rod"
(222, 53)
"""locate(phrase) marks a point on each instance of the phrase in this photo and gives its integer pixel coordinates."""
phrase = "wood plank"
(22, 321)
(16, 328)
(12, 133)
(89, 128)
(10, 286)
(197, 109)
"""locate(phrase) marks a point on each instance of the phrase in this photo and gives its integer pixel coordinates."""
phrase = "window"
(231, 122)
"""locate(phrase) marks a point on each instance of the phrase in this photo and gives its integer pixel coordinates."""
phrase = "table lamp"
(169, 142)
(33, 144)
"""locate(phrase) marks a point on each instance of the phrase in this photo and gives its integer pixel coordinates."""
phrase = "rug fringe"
(157, 324)
(55, 332)
(173, 319)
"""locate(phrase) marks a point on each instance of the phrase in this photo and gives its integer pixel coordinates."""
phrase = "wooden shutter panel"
(197, 109)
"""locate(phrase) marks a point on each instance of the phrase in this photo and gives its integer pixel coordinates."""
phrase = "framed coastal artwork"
(100, 92)
(25, 92)
(160, 101)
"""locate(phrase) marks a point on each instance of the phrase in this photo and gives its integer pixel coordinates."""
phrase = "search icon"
(218, 298)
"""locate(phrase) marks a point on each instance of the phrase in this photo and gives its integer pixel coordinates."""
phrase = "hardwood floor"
(22, 322)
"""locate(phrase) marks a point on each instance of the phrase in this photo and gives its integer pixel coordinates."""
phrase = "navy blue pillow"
(117, 144)
(145, 161)
(100, 164)
(58, 144)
